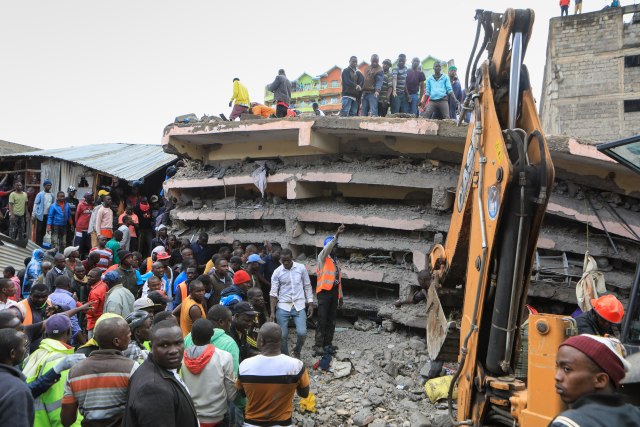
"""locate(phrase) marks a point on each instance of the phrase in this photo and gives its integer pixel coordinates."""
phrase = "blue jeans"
(399, 104)
(369, 104)
(300, 319)
(349, 107)
(412, 103)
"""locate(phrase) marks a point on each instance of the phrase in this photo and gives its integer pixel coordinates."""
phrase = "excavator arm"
(501, 196)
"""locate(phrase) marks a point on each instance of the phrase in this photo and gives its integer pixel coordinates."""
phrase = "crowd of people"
(187, 335)
(194, 334)
(564, 6)
(374, 93)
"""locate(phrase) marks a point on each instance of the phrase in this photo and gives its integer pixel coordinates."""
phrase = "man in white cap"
(589, 370)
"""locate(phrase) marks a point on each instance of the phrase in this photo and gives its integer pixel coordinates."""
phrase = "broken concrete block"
(388, 325)
(341, 369)
(441, 199)
(362, 418)
(364, 325)
(310, 229)
(297, 230)
(419, 420)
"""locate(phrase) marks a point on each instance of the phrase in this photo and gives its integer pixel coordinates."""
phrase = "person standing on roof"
(281, 88)
(588, 373)
(329, 293)
(352, 81)
(439, 92)
(457, 91)
(371, 87)
(387, 88)
(415, 86)
(606, 312)
(399, 101)
(41, 205)
(241, 98)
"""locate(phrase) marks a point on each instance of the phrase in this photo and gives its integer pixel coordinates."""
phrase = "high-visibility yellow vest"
(49, 404)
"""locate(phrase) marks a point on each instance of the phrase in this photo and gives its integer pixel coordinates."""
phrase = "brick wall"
(585, 78)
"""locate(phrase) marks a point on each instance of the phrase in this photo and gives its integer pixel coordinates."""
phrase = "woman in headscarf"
(34, 270)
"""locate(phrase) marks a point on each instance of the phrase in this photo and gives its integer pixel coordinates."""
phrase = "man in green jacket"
(51, 351)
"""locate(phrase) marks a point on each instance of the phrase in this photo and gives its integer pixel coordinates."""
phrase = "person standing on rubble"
(291, 297)
(373, 78)
(329, 293)
(281, 88)
(352, 81)
(241, 98)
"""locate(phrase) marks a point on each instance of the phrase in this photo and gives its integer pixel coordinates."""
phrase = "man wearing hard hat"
(606, 312)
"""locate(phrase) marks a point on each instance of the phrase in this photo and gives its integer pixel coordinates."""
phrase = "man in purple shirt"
(63, 298)
(415, 86)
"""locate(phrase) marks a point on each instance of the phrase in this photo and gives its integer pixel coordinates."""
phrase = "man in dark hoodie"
(157, 394)
(281, 88)
(371, 87)
(16, 402)
(352, 81)
(208, 373)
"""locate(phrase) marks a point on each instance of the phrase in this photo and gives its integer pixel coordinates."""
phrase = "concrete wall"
(586, 81)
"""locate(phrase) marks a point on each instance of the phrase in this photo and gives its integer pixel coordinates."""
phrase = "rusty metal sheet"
(436, 323)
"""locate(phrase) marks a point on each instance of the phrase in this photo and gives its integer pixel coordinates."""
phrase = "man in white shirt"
(291, 297)
(126, 235)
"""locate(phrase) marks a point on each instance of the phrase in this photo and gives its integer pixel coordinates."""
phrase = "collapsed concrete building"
(391, 181)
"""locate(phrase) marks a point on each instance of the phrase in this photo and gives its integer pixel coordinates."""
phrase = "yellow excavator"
(501, 197)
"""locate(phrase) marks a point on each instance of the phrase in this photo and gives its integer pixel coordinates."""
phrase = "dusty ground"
(382, 387)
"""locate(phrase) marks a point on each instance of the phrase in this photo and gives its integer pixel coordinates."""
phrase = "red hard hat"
(609, 308)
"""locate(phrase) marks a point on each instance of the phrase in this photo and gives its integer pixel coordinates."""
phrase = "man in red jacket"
(83, 215)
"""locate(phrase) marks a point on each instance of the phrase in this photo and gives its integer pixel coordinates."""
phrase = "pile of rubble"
(376, 378)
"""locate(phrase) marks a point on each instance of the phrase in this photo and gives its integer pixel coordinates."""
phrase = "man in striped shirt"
(270, 380)
(97, 386)
(106, 254)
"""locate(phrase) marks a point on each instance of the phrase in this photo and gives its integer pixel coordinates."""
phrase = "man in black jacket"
(352, 81)
(16, 402)
(281, 88)
(157, 395)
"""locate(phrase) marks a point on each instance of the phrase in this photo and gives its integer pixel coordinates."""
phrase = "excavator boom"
(501, 196)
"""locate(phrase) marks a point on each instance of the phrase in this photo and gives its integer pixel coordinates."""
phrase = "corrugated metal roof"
(7, 147)
(12, 254)
(125, 161)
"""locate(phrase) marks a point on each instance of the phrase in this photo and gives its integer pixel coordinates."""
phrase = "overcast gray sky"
(78, 72)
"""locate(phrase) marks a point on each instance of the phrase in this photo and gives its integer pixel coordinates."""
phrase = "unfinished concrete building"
(591, 85)
(391, 181)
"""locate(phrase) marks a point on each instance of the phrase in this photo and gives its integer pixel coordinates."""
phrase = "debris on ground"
(375, 380)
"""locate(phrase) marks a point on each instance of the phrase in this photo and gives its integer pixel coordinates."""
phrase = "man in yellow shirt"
(241, 98)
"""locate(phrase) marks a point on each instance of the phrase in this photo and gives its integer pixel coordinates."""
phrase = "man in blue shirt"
(58, 219)
(438, 91)
(41, 205)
